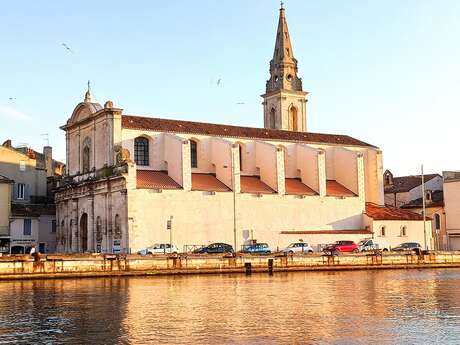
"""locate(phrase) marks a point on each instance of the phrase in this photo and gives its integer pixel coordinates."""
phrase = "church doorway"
(84, 232)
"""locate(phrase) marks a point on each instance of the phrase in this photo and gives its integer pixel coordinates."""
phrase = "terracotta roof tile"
(333, 188)
(403, 184)
(294, 186)
(208, 182)
(377, 212)
(253, 184)
(155, 179)
(329, 232)
(189, 127)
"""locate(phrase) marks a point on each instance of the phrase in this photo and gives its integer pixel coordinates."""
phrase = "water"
(361, 307)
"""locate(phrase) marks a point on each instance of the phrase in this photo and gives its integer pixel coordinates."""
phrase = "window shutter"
(26, 192)
(14, 191)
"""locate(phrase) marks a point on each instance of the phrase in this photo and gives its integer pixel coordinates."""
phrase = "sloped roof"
(208, 182)
(437, 200)
(253, 184)
(378, 212)
(294, 186)
(189, 127)
(155, 179)
(329, 232)
(333, 188)
(4, 179)
(403, 184)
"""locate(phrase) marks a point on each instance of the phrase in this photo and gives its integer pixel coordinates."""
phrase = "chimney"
(48, 153)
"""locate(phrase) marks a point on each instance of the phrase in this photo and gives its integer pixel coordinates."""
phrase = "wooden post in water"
(270, 266)
(248, 268)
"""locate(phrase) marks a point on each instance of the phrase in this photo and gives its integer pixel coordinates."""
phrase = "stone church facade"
(129, 176)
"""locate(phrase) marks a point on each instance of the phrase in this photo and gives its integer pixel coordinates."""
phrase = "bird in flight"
(11, 98)
(67, 47)
(240, 103)
(219, 81)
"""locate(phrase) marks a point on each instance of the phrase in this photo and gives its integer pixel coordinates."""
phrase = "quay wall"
(62, 266)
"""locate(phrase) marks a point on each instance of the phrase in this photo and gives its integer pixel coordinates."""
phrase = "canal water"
(360, 307)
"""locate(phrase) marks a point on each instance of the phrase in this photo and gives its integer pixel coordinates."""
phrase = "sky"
(385, 72)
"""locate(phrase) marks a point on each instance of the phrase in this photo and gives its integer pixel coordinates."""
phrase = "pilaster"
(322, 172)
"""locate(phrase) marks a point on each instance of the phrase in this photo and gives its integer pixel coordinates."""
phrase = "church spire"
(283, 66)
(284, 101)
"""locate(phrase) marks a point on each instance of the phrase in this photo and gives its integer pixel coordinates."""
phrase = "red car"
(341, 247)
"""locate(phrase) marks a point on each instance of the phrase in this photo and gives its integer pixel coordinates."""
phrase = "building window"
(22, 166)
(85, 159)
(293, 119)
(383, 231)
(403, 231)
(86, 155)
(141, 151)
(20, 193)
(53, 226)
(428, 195)
(27, 227)
(437, 221)
(193, 154)
(272, 119)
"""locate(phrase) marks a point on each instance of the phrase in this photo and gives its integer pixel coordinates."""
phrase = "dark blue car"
(257, 248)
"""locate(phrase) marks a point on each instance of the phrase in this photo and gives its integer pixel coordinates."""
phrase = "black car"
(214, 248)
(407, 246)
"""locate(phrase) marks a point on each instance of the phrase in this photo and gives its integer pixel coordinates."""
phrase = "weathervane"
(281, 4)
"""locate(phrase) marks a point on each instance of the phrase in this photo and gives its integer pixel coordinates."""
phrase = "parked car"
(162, 248)
(214, 248)
(341, 247)
(257, 248)
(298, 247)
(407, 246)
(369, 244)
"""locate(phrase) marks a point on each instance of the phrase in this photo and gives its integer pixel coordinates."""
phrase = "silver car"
(298, 247)
(162, 248)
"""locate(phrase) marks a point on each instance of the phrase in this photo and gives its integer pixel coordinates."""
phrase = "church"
(133, 181)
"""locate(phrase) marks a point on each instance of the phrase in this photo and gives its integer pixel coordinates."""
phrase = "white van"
(369, 244)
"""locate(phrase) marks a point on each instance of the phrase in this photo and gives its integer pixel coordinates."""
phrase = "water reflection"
(384, 307)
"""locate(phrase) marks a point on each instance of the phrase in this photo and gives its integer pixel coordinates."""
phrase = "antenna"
(46, 138)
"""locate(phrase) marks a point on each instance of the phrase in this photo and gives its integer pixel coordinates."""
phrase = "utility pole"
(423, 209)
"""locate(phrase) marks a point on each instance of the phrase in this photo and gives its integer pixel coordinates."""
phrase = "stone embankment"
(99, 265)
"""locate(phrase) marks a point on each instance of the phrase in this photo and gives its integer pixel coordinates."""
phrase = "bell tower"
(284, 100)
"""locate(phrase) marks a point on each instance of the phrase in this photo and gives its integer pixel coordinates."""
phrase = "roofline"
(242, 137)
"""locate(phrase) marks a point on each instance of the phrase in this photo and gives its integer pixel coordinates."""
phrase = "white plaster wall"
(266, 161)
(307, 158)
(221, 157)
(345, 168)
(17, 232)
(173, 156)
(200, 218)
(452, 206)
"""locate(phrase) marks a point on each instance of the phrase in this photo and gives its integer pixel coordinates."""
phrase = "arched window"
(86, 155)
(69, 234)
(272, 119)
(383, 231)
(403, 231)
(437, 221)
(193, 154)
(293, 119)
(141, 151)
(62, 232)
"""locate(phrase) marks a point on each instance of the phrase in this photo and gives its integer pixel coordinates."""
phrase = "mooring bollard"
(270, 266)
(248, 268)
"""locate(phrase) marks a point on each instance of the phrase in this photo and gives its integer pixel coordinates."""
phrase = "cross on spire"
(88, 93)
(281, 5)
